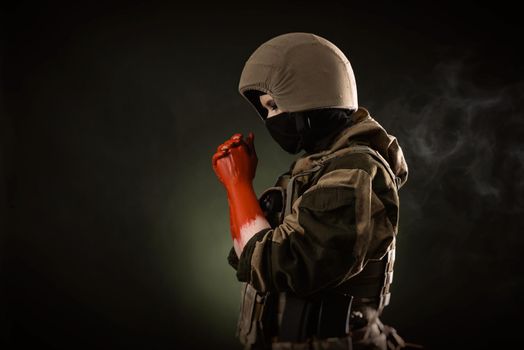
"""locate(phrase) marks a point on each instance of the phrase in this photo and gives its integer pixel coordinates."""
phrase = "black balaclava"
(311, 130)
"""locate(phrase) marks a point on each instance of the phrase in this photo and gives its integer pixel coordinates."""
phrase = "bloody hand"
(235, 163)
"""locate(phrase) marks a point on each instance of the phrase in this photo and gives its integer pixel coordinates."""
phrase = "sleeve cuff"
(244, 262)
(232, 258)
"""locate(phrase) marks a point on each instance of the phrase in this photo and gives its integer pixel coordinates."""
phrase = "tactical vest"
(369, 287)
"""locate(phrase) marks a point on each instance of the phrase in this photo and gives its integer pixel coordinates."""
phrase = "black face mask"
(309, 130)
(283, 129)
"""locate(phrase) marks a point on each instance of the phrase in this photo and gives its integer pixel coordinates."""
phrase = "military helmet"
(301, 71)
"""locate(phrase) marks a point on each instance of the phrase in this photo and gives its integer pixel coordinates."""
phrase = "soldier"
(315, 252)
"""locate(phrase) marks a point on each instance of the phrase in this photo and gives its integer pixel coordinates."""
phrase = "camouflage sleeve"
(232, 258)
(235, 262)
(333, 228)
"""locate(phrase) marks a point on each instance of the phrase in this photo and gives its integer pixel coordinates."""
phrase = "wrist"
(247, 217)
(242, 190)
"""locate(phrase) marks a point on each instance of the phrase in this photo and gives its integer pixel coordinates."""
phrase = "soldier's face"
(268, 103)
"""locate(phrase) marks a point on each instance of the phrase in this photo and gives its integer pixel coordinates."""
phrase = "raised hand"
(235, 163)
(235, 160)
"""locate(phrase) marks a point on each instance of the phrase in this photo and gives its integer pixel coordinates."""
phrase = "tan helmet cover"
(301, 71)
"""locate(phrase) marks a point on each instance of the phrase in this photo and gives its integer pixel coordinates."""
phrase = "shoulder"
(351, 160)
(349, 163)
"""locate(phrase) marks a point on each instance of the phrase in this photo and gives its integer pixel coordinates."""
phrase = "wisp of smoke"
(458, 127)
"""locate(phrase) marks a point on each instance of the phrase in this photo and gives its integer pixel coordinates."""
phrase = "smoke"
(458, 130)
(461, 130)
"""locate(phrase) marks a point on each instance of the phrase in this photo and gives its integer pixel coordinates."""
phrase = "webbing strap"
(385, 294)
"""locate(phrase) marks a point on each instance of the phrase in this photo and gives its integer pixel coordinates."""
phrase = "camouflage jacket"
(342, 212)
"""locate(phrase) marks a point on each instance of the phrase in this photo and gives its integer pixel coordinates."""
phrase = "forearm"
(246, 216)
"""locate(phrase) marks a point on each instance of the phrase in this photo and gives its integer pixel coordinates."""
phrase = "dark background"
(114, 229)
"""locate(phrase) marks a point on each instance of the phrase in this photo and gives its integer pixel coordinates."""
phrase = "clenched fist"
(235, 161)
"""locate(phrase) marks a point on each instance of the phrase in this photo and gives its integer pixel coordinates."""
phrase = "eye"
(272, 105)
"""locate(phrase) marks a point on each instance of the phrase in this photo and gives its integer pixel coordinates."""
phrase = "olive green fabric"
(342, 215)
(301, 71)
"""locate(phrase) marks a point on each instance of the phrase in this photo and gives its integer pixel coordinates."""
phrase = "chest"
(276, 202)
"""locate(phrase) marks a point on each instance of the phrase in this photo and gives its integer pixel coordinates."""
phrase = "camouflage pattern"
(342, 214)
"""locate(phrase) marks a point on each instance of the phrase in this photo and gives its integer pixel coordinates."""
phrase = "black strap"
(334, 315)
(297, 319)
(323, 317)
(368, 283)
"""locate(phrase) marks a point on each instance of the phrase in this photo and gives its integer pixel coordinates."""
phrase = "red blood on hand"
(235, 162)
